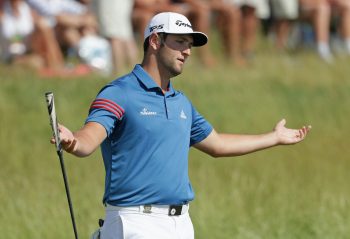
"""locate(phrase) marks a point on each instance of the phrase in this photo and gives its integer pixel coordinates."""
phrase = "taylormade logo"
(182, 24)
(145, 111)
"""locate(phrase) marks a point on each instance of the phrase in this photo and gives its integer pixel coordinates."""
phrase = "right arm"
(83, 142)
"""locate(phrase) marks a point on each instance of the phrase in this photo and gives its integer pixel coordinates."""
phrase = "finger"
(282, 122)
(66, 141)
(70, 148)
(305, 130)
(299, 134)
(59, 127)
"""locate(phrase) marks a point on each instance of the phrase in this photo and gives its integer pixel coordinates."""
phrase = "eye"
(184, 43)
(189, 45)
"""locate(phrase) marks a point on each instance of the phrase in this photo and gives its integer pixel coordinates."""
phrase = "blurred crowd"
(107, 35)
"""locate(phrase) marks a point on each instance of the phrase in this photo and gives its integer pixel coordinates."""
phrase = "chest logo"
(145, 111)
(182, 115)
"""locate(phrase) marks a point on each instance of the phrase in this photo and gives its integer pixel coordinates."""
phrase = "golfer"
(145, 128)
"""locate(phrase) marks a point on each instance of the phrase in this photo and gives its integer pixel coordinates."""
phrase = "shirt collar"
(147, 80)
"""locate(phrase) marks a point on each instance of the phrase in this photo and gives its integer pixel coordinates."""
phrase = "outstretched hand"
(290, 136)
(68, 141)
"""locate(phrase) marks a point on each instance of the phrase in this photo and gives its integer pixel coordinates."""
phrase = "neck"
(162, 79)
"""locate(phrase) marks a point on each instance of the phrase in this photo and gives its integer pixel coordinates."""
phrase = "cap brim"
(199, 38)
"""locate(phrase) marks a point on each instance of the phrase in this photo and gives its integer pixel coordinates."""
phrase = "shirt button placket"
(166, 108)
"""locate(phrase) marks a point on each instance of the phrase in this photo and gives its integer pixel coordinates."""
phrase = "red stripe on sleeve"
(109, 106)
(110, 102)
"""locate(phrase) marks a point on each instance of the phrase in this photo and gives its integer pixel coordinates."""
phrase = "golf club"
(53, 121)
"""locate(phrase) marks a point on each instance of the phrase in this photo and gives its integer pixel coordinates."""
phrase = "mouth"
(181, 60)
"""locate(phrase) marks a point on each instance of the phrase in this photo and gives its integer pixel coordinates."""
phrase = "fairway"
(289, 192)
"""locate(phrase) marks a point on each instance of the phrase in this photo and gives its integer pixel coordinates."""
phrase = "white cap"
(174, 23)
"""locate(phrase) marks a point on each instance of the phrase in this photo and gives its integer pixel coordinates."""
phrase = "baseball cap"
(174, 23)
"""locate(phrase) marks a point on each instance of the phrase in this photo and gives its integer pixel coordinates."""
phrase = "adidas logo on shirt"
(182, 115)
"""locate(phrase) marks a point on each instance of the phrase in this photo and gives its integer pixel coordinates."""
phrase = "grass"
(291, 192)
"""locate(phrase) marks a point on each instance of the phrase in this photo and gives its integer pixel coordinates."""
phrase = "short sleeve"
(200, 128)
(108, 107)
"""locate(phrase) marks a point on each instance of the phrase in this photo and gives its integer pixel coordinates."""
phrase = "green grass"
(291, 192)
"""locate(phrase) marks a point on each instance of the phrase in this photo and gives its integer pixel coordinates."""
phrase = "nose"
(187, 51)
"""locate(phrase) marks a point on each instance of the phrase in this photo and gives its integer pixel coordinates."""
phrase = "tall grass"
(292, 192)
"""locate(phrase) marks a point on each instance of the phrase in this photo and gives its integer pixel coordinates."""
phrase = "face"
(173, 52)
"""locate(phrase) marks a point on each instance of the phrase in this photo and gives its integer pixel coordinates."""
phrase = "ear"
(154, 41)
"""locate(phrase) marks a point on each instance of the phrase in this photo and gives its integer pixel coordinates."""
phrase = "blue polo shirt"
(149, 134)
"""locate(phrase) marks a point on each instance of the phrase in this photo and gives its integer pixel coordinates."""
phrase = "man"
(196, 10)
(146, 127)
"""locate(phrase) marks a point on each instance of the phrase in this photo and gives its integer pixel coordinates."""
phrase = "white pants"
(131, 223)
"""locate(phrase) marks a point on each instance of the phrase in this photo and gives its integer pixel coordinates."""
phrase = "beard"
(174, 72)
(169, 64)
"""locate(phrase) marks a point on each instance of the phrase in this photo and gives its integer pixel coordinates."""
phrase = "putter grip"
(53, 119)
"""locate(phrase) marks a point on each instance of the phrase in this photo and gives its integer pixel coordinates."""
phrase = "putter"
(53, 121)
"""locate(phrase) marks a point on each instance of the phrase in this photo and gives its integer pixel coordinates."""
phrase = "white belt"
(171, 210)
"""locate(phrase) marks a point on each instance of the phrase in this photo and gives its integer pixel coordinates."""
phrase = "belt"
(170, 210)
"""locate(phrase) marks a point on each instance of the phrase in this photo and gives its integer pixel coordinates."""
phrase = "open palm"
(290, 136)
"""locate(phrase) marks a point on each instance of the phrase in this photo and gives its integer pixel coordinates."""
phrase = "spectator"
(228, 20)
(46, 43)
(251, 12)
(320, 12)
(17, 27)
(114, 18)
(283, 13)
(26, 39)
(68, 17)
(95, 51)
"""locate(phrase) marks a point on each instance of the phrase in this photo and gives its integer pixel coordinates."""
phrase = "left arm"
(225, 145)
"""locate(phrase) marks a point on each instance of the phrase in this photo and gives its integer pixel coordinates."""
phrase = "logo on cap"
(157, 27)
(182, 24)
